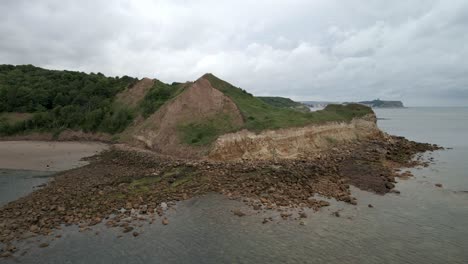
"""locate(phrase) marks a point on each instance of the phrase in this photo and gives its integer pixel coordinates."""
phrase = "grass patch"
(203, 132)
(179, 176)
(158, 95)
(279, 101)
(258, 115)
(142, 185)
(331, 140)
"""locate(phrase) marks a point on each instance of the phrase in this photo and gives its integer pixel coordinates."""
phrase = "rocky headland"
(188, 139)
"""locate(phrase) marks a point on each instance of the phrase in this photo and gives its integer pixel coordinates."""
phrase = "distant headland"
(377, 103)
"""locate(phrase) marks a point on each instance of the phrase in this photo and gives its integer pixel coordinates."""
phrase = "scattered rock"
(135, 234)
(370, 206)
(438, 185)
(165, 221)
(302, 215)
(82, 196)
(337, 214)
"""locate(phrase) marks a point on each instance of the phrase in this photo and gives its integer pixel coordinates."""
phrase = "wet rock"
(238, 212)
(438, 185)
(370, 206)
(34, 228)
(285, 215)
(389, 185)
(11, 248)
(144, 209)
(337, 214)
(127, 229)
(302, 215)
(43, 245)
(164, 206)
(135, 234)
(5, 255)
(165, 221)
(322, 203)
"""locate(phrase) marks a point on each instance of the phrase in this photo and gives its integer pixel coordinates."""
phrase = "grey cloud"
(318, 50)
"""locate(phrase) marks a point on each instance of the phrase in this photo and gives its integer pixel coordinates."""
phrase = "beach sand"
(46, 156)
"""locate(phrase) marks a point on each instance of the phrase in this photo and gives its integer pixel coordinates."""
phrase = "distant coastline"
(377, 103)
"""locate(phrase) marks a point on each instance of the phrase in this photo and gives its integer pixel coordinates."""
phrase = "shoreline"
(121, 187)
(46, 155)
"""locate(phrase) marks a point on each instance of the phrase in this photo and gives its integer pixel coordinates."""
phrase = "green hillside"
(259, 115)
(279, 101)
(60, 100)
(33, 99)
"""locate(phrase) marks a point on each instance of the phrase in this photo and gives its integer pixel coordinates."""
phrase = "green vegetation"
(279, 101)
(159, 94)
(259, 115)
(142, 185)
(61, 99)
(36, 99)
(206, 131)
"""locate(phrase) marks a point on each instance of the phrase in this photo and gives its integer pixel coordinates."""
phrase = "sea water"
(423, 224)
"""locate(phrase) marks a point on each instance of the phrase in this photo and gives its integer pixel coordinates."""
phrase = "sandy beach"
(46, 156)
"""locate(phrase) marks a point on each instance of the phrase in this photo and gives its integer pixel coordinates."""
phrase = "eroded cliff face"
(159, 132)
(292, 142)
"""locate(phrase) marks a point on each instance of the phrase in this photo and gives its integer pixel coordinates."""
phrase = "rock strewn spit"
(120, 187)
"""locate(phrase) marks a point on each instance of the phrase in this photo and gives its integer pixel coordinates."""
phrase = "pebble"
(43, 245)
(238, 212)
(127, 229)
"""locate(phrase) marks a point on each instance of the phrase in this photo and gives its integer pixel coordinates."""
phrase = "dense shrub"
(62, 99)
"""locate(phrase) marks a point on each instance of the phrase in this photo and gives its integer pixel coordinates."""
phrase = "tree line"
(62, 99)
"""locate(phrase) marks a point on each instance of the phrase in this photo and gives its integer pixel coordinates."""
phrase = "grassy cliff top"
(279, 101)
(259, 115)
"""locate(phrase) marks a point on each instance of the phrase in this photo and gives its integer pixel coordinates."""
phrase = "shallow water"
(424, 224)
(18, 183)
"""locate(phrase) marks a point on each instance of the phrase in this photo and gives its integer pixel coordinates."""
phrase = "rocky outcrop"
(292, 142)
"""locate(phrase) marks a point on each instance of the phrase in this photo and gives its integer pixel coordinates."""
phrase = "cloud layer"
(415, 51)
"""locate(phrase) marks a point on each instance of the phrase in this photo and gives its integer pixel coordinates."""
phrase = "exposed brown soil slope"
(199, 101)
(134, 94)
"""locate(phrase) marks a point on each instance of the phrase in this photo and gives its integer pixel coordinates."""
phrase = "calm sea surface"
(424, 224)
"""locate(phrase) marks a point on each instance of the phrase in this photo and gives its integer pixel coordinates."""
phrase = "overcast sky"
(348, 50)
